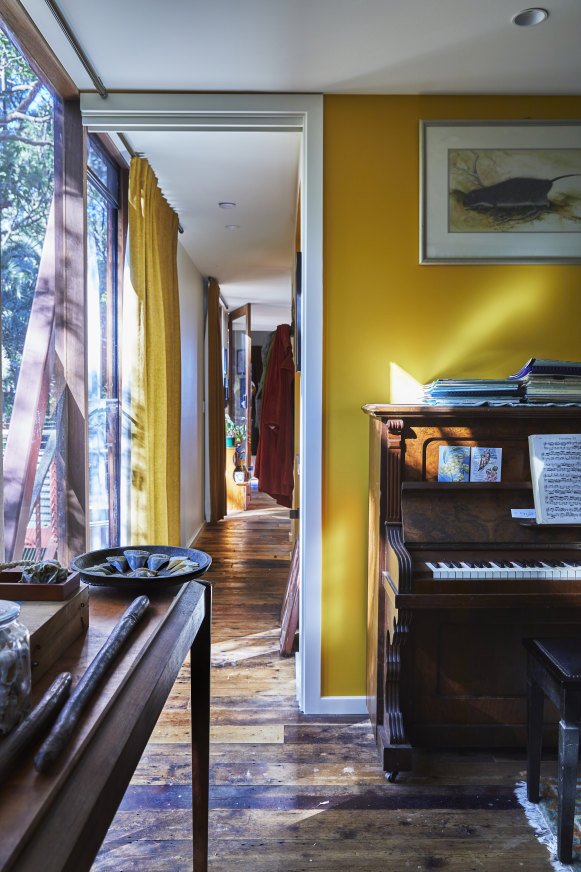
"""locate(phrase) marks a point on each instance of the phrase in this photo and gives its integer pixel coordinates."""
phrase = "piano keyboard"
(546, 569)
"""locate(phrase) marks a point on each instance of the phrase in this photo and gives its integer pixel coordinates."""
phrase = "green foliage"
(26, 191)
(236, 431)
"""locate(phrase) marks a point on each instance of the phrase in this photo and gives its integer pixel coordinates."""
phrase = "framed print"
(500, 192)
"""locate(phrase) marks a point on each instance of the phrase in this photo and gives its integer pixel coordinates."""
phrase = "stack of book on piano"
(550, 381)
(471, 392)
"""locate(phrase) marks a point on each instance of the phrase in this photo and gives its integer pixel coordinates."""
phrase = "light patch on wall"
(477, 331)
(403, 387)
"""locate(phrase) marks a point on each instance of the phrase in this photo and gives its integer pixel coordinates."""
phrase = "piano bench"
(554, 670)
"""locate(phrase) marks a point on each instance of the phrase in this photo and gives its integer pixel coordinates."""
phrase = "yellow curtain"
(156, 371)
(216, 423)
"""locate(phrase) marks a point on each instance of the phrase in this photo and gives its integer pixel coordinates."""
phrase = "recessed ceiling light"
(232, 226)
(529, 17)
(227, 204)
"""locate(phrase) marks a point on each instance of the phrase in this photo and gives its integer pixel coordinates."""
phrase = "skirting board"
(199, 531)
(333, 705)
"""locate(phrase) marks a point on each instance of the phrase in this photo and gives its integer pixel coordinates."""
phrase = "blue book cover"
(544, 366)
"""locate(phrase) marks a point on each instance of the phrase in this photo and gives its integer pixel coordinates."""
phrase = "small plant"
(237, 432)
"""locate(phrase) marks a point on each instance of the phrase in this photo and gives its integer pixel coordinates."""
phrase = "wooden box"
(12, 589)
(53, 626)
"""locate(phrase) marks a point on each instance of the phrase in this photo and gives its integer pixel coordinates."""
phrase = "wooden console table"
(57, 822)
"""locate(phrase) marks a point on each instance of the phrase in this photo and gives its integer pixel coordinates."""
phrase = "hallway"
(290, 792)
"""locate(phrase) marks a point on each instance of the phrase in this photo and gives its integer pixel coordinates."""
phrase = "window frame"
(70, 187)
(118, 201)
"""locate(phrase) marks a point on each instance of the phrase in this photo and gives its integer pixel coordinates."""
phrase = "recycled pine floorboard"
(290, 792)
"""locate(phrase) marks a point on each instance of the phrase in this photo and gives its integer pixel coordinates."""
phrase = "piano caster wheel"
(392, 776)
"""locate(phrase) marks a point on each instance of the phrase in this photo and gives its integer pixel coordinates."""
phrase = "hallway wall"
(191, 287)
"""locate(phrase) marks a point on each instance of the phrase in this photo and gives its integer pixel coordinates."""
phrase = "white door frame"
(124, 112)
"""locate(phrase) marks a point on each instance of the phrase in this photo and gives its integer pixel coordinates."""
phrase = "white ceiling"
(319, 46)
(258, 172)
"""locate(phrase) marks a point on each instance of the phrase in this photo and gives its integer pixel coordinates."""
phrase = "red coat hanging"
(274, 464)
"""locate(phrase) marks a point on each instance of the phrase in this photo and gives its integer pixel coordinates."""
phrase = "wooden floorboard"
(291, 792)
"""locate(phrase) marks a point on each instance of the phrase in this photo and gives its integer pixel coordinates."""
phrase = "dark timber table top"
(57, 821)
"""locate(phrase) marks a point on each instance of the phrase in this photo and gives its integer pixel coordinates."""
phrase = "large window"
(59, 307)
(32, 378)
(102, 346)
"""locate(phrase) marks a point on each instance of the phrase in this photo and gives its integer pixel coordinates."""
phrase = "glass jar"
(14, 667)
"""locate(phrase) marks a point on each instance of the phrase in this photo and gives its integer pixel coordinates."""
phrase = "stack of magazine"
(550, 381)
(539, 381)
(471, 392)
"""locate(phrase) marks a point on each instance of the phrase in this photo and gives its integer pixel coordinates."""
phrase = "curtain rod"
(133, 153)
(77, 48)
(220, 297)
(87, 65)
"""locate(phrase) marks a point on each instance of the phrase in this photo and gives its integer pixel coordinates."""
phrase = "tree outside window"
(32, 388)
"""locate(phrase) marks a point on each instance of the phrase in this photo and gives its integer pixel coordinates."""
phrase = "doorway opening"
(126, 112)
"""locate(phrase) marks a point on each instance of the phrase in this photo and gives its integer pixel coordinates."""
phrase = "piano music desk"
(445, 662)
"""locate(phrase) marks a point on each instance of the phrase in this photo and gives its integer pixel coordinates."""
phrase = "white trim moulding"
(126, 112)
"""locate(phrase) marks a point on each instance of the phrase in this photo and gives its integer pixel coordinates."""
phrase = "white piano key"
(573, 571)
(503, 571)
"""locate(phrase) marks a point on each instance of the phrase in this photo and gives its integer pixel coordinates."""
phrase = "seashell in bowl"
(156, 561)
(136, 557)
(105, 568)
(180, 565)
(142, 572)
(119, 561)
(101, 569)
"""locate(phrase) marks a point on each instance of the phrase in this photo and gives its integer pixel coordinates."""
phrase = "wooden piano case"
(445, 662)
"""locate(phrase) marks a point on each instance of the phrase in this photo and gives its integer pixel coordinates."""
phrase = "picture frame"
(500, 192)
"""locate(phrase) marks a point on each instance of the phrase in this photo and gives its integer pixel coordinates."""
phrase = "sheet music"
(556, 476)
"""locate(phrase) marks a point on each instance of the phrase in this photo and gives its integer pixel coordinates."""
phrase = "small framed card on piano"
(485, 464)
(454, 463)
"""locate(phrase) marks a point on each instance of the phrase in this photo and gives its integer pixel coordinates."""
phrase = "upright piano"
(456, 579)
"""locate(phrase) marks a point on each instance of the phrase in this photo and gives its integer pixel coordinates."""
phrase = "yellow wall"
(434, 321)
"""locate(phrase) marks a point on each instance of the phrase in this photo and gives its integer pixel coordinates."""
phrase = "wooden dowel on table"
(70, 714)
(16, 744)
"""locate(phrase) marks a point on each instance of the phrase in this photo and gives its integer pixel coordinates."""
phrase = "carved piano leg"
(393, 745)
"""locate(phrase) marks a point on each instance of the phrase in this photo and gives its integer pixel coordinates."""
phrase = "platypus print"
(512, 193)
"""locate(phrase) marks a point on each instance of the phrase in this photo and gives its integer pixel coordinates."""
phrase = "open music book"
(556, 477)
